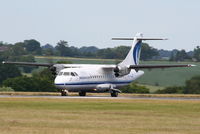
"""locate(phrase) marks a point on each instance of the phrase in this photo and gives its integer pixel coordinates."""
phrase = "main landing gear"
(82, 93)
(114, 92)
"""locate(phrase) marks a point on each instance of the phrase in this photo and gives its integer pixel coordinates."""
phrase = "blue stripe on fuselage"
(94, 83)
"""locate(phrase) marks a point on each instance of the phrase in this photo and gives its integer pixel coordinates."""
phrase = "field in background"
(155, 77)
(98, 116)
(170, 76)
(54, 59)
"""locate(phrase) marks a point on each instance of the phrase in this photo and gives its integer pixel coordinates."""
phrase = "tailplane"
(134, 54)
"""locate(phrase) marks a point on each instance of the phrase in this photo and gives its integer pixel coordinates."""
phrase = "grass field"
(43, 59)
(102, 116)
(159, 77)
(170, 76)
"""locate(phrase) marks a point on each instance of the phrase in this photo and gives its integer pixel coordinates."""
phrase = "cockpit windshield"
(68, 74)
(73, 74)
(60, 73)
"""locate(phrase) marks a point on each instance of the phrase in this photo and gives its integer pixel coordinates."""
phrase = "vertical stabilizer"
(134, 54)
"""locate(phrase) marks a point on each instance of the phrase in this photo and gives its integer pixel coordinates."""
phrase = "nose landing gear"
(64, 92)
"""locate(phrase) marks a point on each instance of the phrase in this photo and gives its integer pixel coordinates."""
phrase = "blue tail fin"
(134, 54)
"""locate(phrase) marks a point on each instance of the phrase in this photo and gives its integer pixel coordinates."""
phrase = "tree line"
(62, 48)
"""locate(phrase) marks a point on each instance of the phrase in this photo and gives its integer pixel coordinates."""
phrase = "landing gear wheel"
(82, 93)
(64, 93)
(114, 94)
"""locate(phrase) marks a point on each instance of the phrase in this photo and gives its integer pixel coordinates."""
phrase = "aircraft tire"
(114, 94)
(64, 93)
(82, 93)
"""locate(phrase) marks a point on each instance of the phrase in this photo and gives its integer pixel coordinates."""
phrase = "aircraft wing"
(63, 65)
(159, 66)
(102, 66)
(29, 63)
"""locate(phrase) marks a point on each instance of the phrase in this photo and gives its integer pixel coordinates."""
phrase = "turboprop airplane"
(84, 78)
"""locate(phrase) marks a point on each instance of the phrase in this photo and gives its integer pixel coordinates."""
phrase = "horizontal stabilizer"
(159, 66)
(139, 38)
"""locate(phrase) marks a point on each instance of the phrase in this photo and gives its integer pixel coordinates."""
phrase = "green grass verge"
(99, 116)
(101, 94)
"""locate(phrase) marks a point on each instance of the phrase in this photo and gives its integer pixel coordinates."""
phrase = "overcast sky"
(95, 22)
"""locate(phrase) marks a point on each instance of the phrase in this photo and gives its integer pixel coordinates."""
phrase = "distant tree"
(48, 50)
(134, 88)
(63, 48)
(23, 58)
(106, 53)
(33, 46)
(41, 81)
(171, 90)
(181, 56)
(8, 71)
(121, 52)
(147, 52)
(47, 46)
(87, 51)
(172, 57)
(197, 53)
(90, 49)
(27, 58)
(44, 74)
(1, 43)
(192, 86)
(74, 52)
(18, 49)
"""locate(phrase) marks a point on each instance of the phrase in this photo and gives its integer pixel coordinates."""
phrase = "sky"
(95, 22)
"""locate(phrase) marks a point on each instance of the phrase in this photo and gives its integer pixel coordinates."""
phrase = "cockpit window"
(73, 74)
(66, 74)
(60, 73)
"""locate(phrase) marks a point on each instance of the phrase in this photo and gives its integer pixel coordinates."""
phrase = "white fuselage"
(92, 79)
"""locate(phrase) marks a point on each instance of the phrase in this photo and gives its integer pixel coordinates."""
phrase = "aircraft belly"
(77, 87)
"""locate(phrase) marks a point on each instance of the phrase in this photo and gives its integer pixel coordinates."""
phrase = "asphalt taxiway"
(98, 97)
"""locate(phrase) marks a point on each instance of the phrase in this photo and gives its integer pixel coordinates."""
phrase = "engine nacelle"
(55, 69)
(121, 71)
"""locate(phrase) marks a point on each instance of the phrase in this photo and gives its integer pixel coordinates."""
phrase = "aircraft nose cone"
(59, 80)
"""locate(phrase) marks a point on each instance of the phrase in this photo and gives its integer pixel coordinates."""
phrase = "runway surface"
(99, 97)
